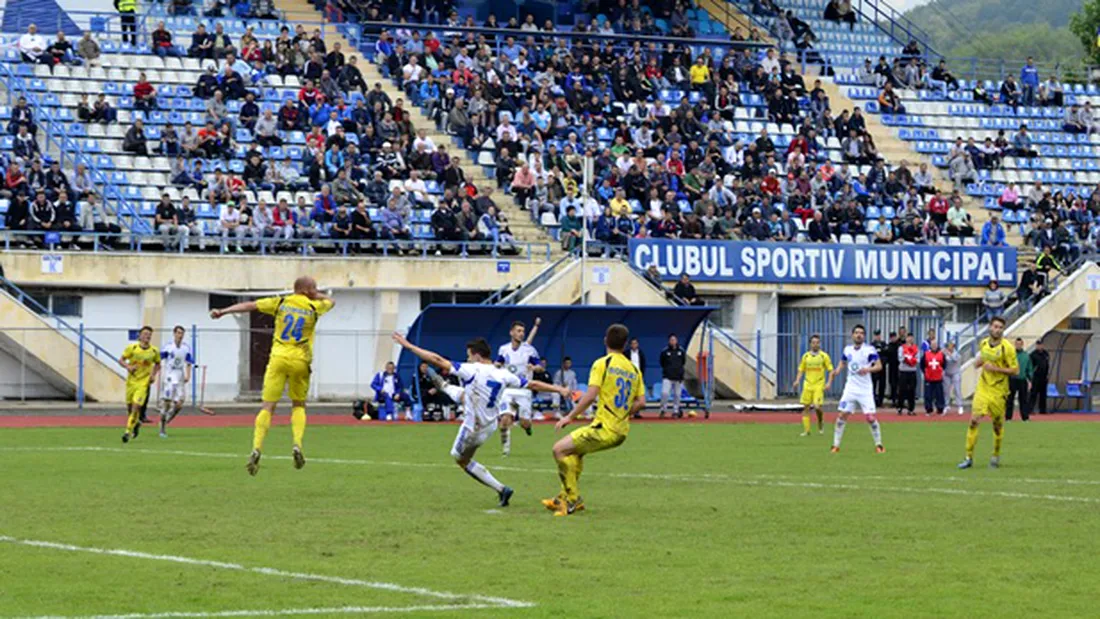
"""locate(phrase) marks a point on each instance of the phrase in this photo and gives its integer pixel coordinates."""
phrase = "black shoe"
(137, 429)
(527, 430)
(505, 496)
(126, 437)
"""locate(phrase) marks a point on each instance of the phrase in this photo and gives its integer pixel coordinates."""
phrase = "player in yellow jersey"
(288, 367)
(142, 362)
(621, 392)
(996, 362)
(815, 366)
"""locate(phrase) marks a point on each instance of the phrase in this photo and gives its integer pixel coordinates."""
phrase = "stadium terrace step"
(729, 15)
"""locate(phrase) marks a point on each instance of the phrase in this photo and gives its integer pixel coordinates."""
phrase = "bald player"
(288, 367)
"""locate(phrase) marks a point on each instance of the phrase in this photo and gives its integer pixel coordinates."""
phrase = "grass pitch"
(691, 520)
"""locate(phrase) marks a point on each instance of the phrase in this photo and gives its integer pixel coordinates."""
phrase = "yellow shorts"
(291, 374)
(991, 405)
(137, 392)
(593, 438)
(812, 395)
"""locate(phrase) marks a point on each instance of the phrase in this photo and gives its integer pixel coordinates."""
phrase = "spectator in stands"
(1051, 93)
(162, 42)
(221, 44)
(993, 233)
(22, 117)
(189, 225)
(994, 300)
(962, 170)
(1046, 262)
(958, 221)
(165, 219)
(819, 230)
(685, 291)
(217, 112)
(362, 227)
(207, 83)
(388, 392)
(230, 223)
(1029, 82)
(1010, 92)
(135, 141)
(841, 11)
(1087, 119)
(572, 229)
(43, 217)
(95, 218)
(942, 78)
(393, 225)
(445, 225)
(938, 208)
(88, 49)
(1071, 120)
(66, 222)
(145, 94)
(32, 47)
(61, 51)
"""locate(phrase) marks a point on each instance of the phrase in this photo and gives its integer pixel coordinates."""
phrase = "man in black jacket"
(891, 361)
(878, 379)
(1040, 363)
(673, 360)
(637, 357)
(445, 225)
(685, 291)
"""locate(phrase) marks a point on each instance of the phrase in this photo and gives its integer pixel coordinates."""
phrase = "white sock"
(838, 431)
(454, 392)
(482, 474)
(876, 432)
(506, 440)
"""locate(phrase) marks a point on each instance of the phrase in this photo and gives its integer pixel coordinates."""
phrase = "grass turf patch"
(691, 520)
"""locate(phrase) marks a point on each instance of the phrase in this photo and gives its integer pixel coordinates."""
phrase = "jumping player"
(483, 386)
(815, 367)
(288, 367)
(520, 358)
(861, 360)
(621, 392)
(996, 362)
(177, 361)
(142, 362)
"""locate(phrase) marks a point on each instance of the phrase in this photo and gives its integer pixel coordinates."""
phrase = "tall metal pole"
(585, 197)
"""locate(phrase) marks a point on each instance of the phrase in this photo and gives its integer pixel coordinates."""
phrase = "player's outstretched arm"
(238, 308)
(432, 358)
(534, 330)
(538, 385)
(582, 405)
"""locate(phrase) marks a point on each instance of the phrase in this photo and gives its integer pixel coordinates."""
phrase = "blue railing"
(106, 242)
(895, 24)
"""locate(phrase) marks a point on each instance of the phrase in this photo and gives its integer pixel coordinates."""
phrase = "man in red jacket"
(908, 362)
(931, 363)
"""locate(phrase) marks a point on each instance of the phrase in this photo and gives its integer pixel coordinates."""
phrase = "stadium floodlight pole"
(586, 180)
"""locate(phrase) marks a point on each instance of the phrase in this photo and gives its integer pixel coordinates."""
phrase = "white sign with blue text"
(819, 263)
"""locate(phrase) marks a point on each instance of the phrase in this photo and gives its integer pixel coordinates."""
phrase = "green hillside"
(1009, 29)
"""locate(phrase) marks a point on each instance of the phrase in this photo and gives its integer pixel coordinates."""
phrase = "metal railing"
(44, 240)
(894, 24)
(504, 297)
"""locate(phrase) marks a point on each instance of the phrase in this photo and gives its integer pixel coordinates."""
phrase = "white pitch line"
(286, 612)
(268, 571)
(751, 480)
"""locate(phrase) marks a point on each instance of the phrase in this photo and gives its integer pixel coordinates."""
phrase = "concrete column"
(389, 307)
(152, 309)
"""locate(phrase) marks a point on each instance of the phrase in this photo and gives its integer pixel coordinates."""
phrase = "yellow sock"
(998, 436)
(132, 419)
(971, 439)
(298, 424)
(568, 472)
(263, 424)
(806, 423)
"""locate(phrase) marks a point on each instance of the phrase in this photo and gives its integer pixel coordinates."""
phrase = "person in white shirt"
(411, 72)
(519, 357)
(33, 46)
(480, 395)
(417, 188)
(175, 362)
(861, 360)
(506, 128)
(229, 222)
(422, 138)
(770, 62)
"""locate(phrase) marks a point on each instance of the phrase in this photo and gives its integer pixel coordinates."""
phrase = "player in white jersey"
(518, 357)
(175, 362)
(862, 360)
(482, 386)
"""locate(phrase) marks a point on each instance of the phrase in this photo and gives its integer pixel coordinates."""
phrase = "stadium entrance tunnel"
(565, 331)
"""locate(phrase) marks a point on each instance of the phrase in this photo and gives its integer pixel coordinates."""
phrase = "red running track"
(239, 421)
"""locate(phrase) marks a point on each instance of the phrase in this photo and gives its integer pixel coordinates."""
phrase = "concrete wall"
(17, 381)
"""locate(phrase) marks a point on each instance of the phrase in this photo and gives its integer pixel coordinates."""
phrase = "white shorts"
(865, 402)
(173, 389)
(516, 401)
(469, 439)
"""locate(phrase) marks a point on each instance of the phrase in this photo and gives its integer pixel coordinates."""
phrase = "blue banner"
(820, 263)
